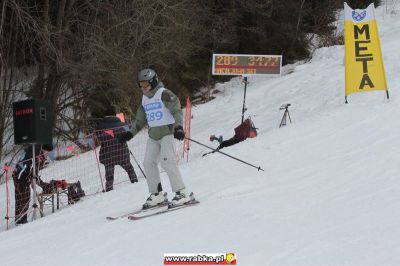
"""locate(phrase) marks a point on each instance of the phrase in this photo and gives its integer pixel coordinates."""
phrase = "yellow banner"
(363, 56)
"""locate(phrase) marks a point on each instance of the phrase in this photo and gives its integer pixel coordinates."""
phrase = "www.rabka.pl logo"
(228, 258)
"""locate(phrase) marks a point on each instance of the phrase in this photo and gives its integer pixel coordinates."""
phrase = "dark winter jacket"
(23, 171)
(112, 152)
(22, 177)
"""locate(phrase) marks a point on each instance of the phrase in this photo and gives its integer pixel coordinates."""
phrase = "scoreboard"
(246, 65)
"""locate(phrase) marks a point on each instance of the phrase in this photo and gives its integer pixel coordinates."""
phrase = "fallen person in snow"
(242, 132)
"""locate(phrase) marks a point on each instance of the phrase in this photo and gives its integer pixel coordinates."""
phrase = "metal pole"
(230, 156)
(35, 202)
(97, 160)
(7, 198)
(244, 98)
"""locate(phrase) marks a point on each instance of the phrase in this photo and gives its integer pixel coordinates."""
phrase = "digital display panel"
(246, 65)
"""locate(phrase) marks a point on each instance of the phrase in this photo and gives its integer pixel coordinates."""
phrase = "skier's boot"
(155, 199)
(181, 197)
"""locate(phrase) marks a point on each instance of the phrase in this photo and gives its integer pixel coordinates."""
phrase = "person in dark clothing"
(22, 177)
(242, 132)
(113, 152)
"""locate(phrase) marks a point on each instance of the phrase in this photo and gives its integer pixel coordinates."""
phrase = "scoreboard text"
(235, 64)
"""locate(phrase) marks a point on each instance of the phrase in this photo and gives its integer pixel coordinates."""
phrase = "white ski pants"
(162, 151)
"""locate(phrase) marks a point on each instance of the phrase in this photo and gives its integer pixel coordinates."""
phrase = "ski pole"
(230, 156)
(140, 168)
(207, 153)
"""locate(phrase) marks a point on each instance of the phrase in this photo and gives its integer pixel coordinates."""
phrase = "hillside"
(329, 195)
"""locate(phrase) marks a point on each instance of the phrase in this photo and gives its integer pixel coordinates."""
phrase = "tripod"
(285, 114)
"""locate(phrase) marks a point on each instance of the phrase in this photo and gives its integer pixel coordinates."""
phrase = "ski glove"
(179, 134)
(124, 136)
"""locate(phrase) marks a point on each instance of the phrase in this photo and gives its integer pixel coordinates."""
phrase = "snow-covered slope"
(329, 195)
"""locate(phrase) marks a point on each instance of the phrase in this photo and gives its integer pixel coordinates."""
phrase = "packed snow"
(329, 195)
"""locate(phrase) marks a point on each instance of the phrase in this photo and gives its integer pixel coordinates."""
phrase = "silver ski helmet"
(148, 75)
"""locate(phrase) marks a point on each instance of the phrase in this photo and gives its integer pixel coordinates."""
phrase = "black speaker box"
(33, 122)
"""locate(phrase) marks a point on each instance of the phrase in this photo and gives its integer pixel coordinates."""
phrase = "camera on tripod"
(284, 106)
(285, 114)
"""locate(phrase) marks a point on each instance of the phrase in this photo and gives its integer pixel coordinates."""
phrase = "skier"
(112, 151)
(161, 111)
(242, 132)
